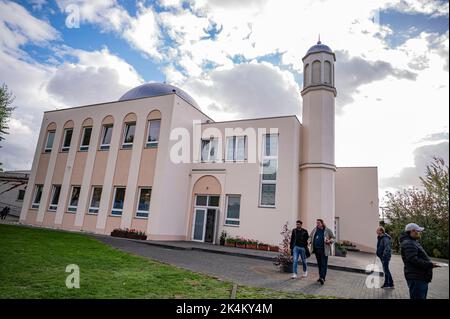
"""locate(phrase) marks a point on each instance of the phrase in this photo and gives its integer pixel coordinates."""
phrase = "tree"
(6, 99)
(427, 207)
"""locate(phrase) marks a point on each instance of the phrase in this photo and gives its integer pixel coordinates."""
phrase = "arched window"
(306, 76)
(327, 72)
(316, 72)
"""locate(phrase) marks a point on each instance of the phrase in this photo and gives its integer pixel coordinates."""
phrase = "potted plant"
(340, 250)
(223, 237)
(284, 258)
(230, 242)
(262, 246)
(240, 242)
(251, 244)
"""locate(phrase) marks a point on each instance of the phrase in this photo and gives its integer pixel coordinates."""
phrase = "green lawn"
(33, 263)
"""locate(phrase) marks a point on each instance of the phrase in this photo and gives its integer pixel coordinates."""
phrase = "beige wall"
(357, 205)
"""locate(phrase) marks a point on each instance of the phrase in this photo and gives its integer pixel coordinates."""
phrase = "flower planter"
(274, 248)
(251, 246)
(240, 245)
(222, 242)
(230, 244)
(263, 247)
(340, 253)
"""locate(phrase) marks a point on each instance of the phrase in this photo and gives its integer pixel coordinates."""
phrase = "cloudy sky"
(240, 59)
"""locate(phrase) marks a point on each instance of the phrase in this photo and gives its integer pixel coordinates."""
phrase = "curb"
(237, 254)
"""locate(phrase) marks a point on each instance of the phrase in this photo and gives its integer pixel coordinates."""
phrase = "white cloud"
(18, 27)
(247, 90)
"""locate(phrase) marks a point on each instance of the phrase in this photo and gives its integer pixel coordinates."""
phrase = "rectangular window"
(106, 137)
(143, 203)
(128, 135)
(37, 196)
(119, 198)
(67, 139)
(268, 194)
(95, 200)
(74, 197)
(56, 190)
(21, 195)
(233, 210)
(213, 201)
(209, 150)
(270, 145)
(86, 138)
(153, 133)
(269, 169)
(235, 148)
(49, 141)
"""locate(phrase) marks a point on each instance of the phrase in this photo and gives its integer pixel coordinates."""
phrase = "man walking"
(321, 240)
(384, 253)
(418, 267)
(299, 247)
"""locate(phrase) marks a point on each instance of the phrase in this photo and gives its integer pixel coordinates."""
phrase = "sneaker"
(294, 276)
(390, 287)
(305, 274)
(321, 281)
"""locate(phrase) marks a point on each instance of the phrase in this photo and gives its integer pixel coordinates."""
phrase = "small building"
(153, 161)
(12, 190)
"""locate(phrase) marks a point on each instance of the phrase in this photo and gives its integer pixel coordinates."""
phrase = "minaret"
(317, 167)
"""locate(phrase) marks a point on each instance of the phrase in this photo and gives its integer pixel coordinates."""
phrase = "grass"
(33, 263)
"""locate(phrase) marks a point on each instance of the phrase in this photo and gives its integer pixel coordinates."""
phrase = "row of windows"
(236, 149)
(106, 135)
(142, 209)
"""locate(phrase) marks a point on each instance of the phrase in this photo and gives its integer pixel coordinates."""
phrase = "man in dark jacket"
(418, 266)
(299, 246)
(384, 253)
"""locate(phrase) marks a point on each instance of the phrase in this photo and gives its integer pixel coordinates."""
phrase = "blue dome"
(155, 89)
(319, 47)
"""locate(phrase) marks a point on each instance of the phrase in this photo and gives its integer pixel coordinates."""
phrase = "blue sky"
(392, 59)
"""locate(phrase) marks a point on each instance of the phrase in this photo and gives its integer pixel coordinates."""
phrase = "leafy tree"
(6, 99)
(427, 207)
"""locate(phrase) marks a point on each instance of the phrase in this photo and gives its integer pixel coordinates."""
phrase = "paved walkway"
(262, 273)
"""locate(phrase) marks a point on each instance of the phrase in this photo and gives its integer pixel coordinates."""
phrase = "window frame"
(34, 204)
(53, 207)
(235, 141)
(226, 211)
(127, 145)
(136, 215)
(85, 148)
(72, 208)
(264, 158)
(46, 148)
(114, 199)
(209, 160)
(94, 210)
(63, 147)
(103, 146)
(152, 144)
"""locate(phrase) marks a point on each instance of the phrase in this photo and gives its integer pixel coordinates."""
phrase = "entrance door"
(210, 225)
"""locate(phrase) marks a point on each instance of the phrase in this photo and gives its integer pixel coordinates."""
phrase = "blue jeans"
(388, 281)
(418, 289)
(302, 252)
(322, 262)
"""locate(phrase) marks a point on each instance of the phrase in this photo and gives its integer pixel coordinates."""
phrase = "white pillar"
(133, 174)
(64, 196)
(108, 187)
(87, 174)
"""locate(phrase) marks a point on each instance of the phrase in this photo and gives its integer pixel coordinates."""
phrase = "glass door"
(198, 232)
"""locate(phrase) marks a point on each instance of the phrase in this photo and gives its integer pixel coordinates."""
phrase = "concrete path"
(262, 273)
